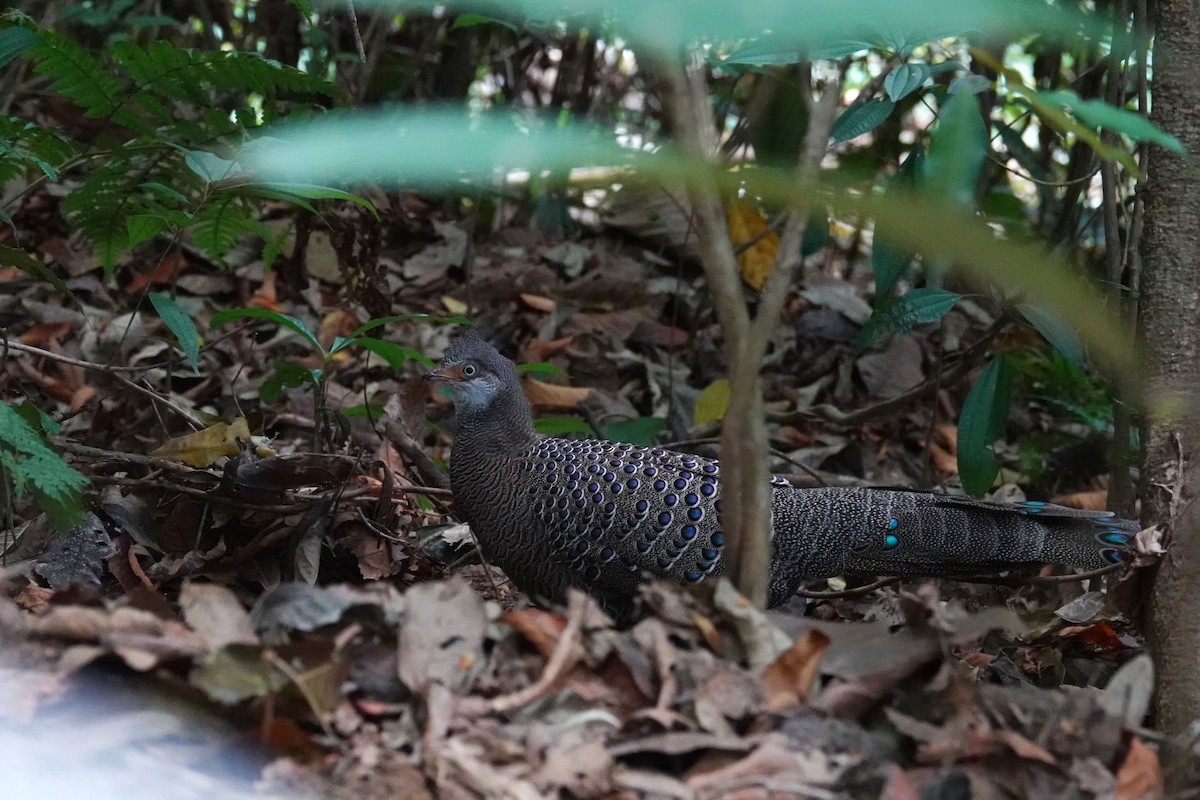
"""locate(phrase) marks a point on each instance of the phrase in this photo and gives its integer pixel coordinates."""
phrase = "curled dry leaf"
(789, 678)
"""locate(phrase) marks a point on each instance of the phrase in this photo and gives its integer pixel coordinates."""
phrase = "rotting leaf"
(747, 225)
(789, 678)
(442, 638)
(216, 615)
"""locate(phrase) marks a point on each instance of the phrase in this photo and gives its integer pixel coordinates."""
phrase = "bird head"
(474, 372)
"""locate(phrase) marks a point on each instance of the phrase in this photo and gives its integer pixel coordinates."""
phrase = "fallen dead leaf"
(789, 678)
(554, 396)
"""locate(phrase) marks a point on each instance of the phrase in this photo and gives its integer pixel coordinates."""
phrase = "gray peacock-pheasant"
(603, 517)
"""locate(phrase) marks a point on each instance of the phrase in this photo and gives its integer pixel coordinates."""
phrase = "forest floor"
(301, 614)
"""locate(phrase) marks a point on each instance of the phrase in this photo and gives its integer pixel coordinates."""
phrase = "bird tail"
(820, 533)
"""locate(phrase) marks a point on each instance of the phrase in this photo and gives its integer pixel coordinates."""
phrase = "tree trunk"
(1170, 320)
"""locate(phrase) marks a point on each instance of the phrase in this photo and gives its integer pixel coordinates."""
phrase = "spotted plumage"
(601, 516)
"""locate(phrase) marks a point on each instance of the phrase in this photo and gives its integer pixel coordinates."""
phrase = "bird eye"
(469, 370)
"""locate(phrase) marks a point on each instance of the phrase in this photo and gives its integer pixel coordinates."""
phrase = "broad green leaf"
(307, 191)
(395, 355)
(664, 26)
(957, 152)
(902, 314)
(984, 417)
(1099, 114)
(905, 79)
(861, 118)
(1061, 336)
(288, 374)
(13, 257)
(541, 368)
(558, 426)
(889, 262)
(15, 41)
(181, 325)
(640, 431)
(291, 323)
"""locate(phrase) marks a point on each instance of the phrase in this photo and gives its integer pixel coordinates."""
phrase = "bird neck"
(504, 426)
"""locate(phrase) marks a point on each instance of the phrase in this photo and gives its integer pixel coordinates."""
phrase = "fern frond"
(220, 224)
(76, 75)
(31, 465)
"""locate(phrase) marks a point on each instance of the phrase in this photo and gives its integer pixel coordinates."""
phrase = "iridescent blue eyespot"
(594, 469)
(694, 575)
(664, 518)
(570, 470)
(664, 562)
(891, 540)
(691, 499)
(614, 463)
(659, 485)
(616, 488)
(706, 565)
(641, 506)
(687, 476)
(562, 502)
(710, 468)
(657, 453)
(609, 508)
(708, 490)
(717, 539)
(551, 478)
(577, 493)
(564, 515)
(690, 463)
(651, 472)
(644, 546)
(580, 503)
(680, 483)
(695, 514)
(597, 498)
(608, 476)
(630, 468)
(540, 467)
(710, 554)
(572, 484)
(670, 500)
(893, 524)
(607, 552)
(1115, 538)
(688, 532)
(593, 487)
(632, 483)
(1111, 555)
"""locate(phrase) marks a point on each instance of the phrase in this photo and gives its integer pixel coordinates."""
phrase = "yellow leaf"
(454, 306)
(712, 403)
(202, 448)
(746, 224)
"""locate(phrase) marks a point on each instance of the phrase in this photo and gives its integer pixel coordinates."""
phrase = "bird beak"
(444, 375)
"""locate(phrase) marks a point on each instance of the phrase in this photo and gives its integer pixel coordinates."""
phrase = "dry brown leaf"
(943, 460)
(551, 395)
(216, 615)
(1140, 776)
(789, 677)
(1088, 501)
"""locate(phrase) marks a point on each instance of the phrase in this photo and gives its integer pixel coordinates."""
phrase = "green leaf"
(640, 431)
(861, 118)
(15, 41)
(541, 368)
(370, 411)
(888, 261)
(219, 225)
(957, 153)
(395, 355)
(905, 79)
(288, 374)
(291, 323)
(471, 20)
(557, 426)
(904, 313)
(12, 257)
(180, 324)
(308, 191)
(983, 421)
(1061, 336)
(1099, 114)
